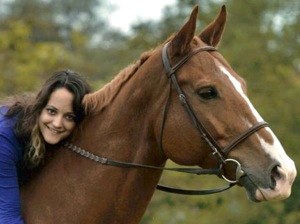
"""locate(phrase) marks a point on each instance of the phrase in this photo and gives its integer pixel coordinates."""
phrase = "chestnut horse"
(138, 118)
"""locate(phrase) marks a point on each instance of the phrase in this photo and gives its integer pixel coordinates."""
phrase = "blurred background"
(261, 42)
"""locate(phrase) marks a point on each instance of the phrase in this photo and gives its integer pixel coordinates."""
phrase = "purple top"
(11, 158)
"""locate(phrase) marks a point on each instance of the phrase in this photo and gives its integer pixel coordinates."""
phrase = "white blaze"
(239, 89)
(275, 150)
(270, 149)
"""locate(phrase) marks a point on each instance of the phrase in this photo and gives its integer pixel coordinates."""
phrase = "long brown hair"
(28, 109)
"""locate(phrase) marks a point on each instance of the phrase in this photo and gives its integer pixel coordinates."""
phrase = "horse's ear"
(212, 34)
(180, 44)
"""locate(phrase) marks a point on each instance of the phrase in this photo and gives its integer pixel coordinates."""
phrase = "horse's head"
(227, 124)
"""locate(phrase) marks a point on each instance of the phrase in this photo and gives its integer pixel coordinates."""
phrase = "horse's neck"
(88, 192)
(130, 121)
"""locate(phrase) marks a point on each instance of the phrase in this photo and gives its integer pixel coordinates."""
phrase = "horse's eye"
(208, 93)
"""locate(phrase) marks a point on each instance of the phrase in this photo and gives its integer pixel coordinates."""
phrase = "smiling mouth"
(53, 131)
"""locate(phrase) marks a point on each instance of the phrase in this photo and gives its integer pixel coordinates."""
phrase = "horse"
(180, 101)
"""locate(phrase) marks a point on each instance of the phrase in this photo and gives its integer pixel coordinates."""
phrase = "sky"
(127, 12)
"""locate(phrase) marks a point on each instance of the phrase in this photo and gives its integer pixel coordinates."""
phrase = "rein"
(205, 135)
(199, 171)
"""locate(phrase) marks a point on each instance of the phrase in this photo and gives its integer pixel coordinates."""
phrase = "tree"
(41, 36)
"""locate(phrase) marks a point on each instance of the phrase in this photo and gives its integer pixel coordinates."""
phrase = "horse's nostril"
(275, 175)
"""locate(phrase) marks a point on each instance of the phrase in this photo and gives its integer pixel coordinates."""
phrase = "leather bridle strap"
(244, 135)
(193, 192)
(116, 163)
(171, 70)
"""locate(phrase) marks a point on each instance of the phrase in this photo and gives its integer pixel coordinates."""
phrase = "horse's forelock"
(97, 101)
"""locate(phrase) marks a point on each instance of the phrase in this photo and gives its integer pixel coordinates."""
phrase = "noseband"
(217, 150)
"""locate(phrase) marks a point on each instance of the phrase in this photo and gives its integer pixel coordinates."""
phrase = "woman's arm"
(10, 204)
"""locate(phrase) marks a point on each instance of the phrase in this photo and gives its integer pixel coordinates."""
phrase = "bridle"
(217, 150)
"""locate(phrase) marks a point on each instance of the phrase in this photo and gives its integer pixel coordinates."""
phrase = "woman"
(28, 125)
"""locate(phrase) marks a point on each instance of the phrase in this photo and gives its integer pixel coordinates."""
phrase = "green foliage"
(24, 64)
(39, 37)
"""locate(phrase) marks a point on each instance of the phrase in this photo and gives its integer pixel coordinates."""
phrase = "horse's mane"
(98, 100)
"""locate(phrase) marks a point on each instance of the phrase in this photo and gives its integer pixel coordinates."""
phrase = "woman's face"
(57, 119)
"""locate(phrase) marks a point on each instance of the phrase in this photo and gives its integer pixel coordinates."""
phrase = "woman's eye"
(50, 111)
(70, 117)
(208, 93)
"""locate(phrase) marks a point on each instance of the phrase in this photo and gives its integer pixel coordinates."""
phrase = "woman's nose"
(57, 121)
